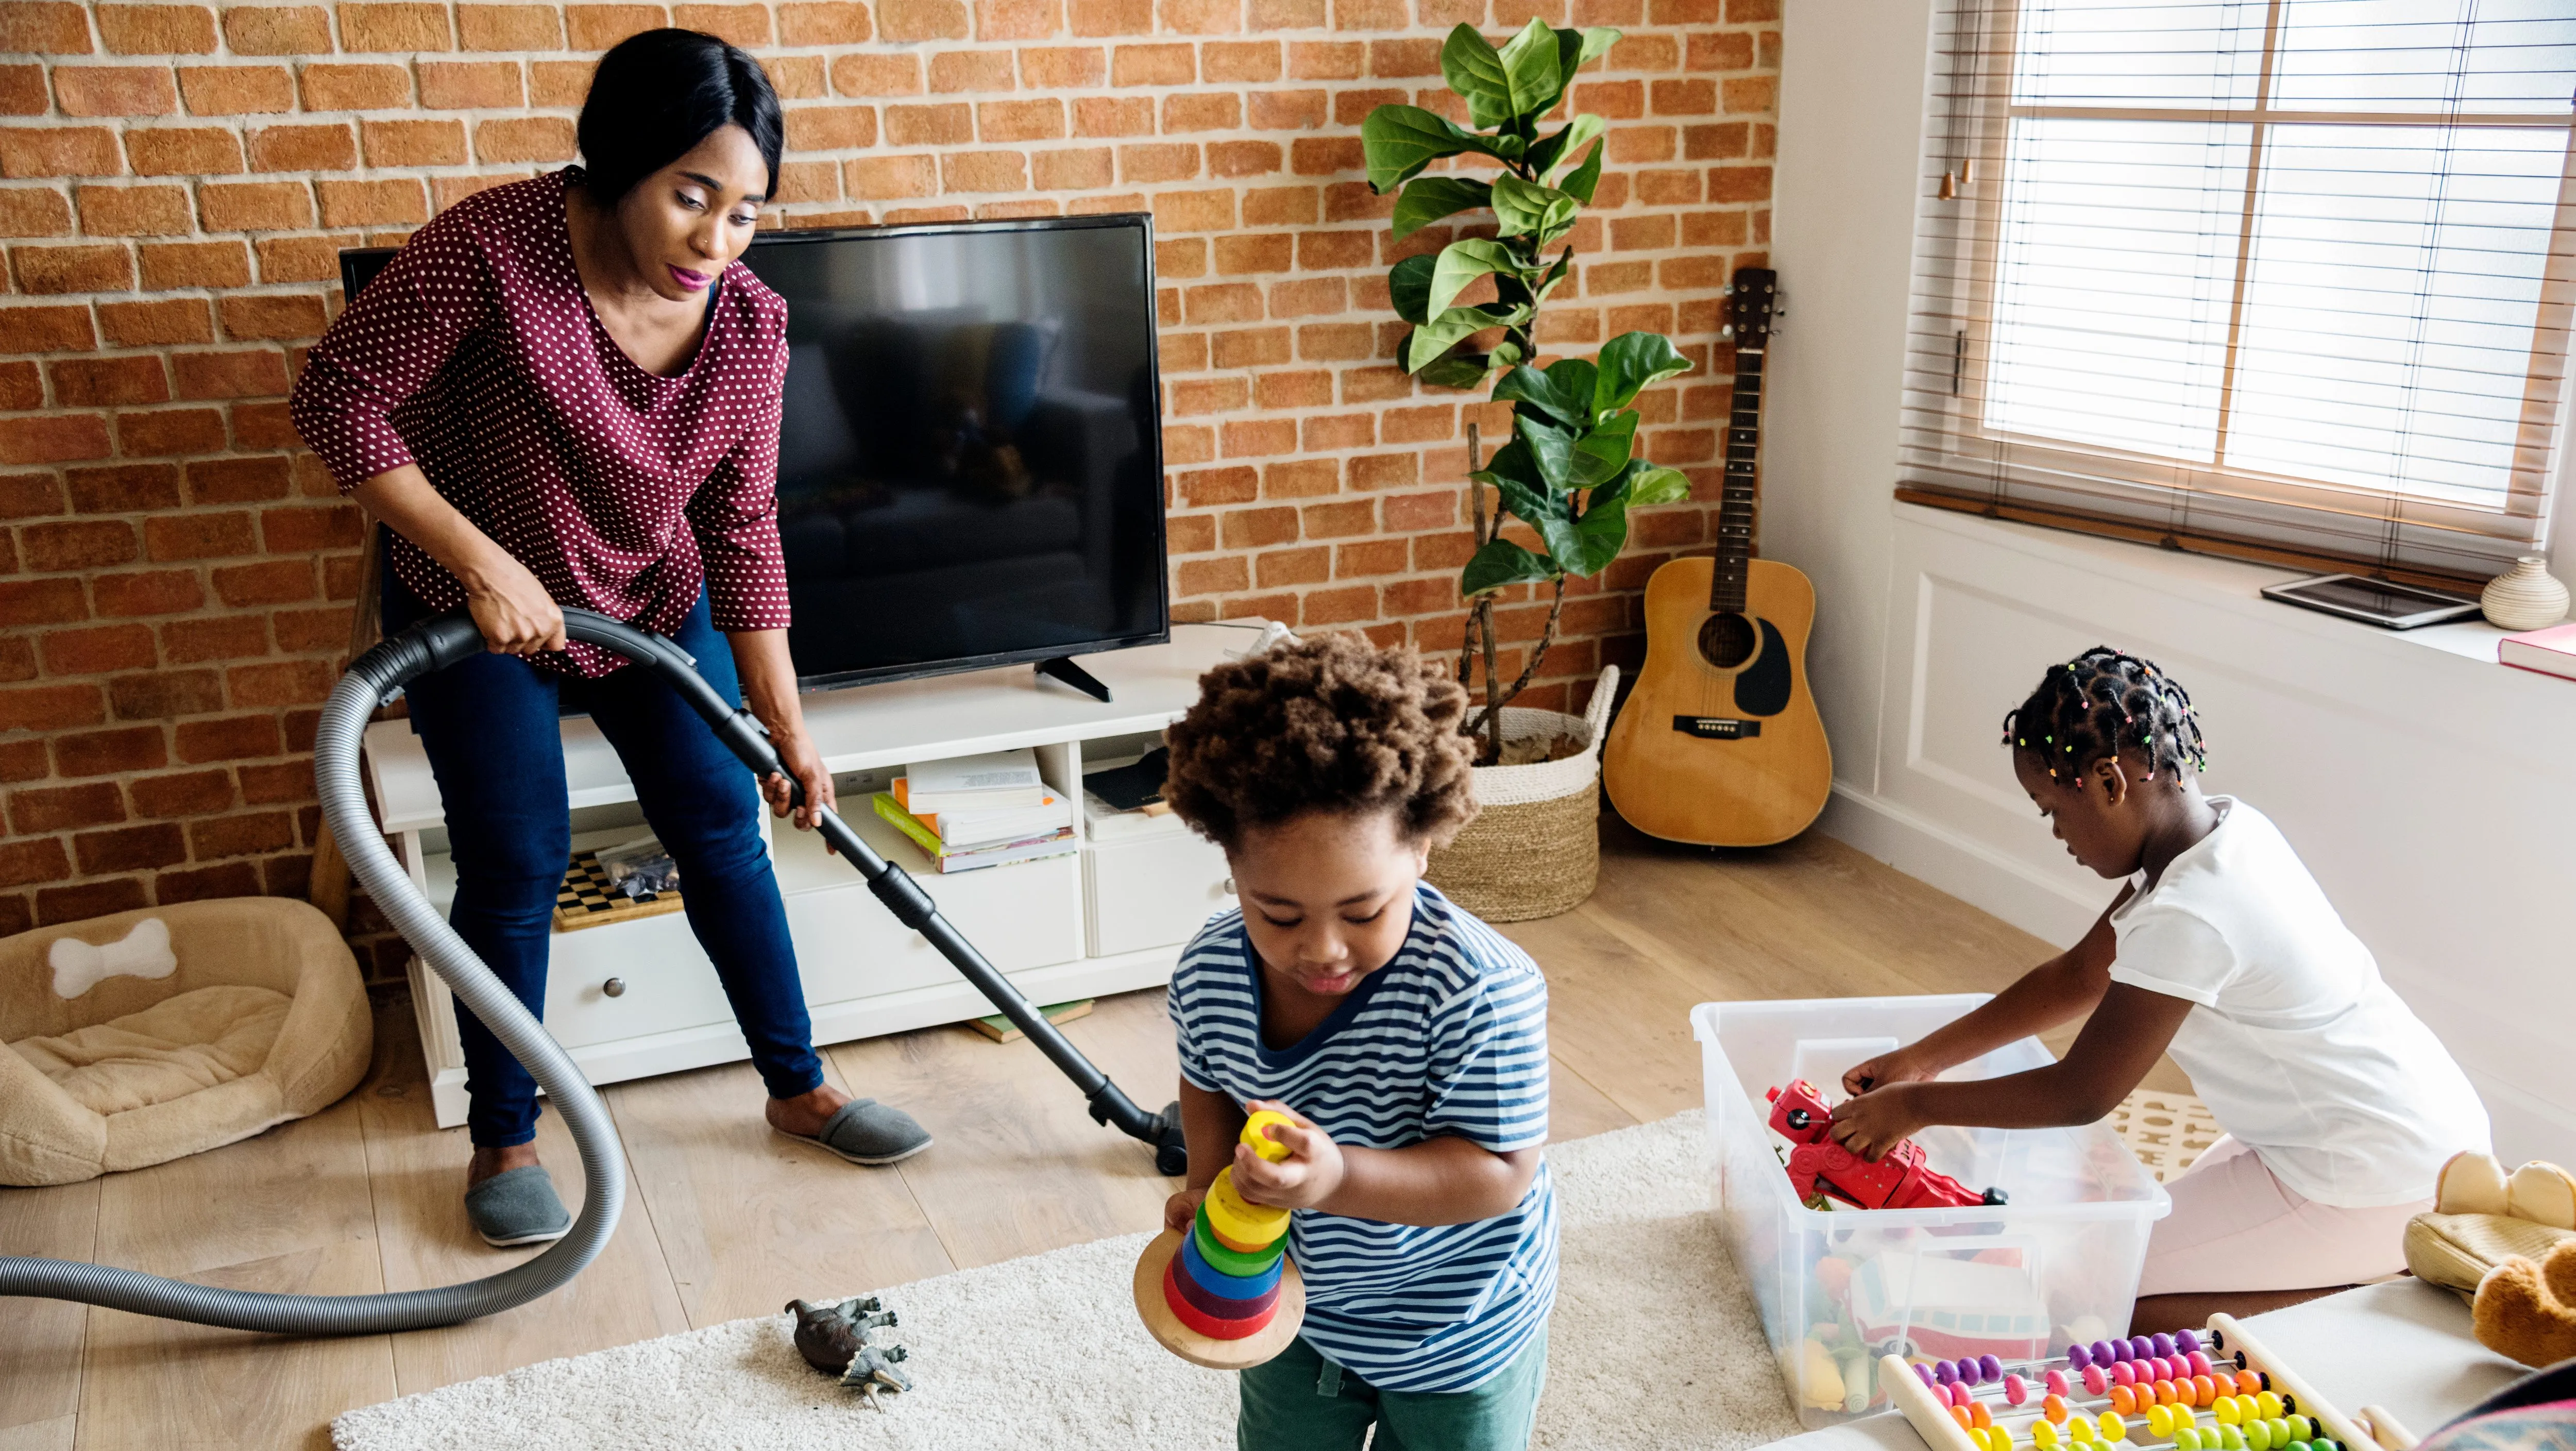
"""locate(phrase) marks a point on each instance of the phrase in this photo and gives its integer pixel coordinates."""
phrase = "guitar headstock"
(1751, 300)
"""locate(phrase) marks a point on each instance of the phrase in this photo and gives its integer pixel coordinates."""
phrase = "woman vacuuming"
(565, 391)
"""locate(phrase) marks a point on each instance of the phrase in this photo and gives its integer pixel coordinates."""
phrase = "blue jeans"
(489, 725)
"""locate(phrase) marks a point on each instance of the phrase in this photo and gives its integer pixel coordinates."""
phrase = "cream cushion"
(264, 1020)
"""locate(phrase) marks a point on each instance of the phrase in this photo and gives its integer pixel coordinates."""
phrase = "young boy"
(1406, 1039)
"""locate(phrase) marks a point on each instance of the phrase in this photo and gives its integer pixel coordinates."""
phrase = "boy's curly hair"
(1328, 724)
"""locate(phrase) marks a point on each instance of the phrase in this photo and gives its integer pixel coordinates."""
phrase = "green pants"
(1303, 1402)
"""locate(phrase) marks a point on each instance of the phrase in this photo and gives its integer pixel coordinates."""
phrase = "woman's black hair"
(659, 93)
(2099, 703)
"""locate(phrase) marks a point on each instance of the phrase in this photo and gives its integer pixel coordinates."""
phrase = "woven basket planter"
(1534, 849)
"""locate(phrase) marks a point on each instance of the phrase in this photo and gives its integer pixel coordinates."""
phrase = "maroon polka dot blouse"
(476, 355)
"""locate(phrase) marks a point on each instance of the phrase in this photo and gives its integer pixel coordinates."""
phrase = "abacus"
(1225, 1295)
(2183, 1392)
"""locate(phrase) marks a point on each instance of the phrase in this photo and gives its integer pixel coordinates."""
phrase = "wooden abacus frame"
(2375, 1430)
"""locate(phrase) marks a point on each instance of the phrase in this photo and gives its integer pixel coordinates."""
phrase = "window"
(2284, 279)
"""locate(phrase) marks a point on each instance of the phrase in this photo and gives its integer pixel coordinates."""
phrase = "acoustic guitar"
(1720, 743)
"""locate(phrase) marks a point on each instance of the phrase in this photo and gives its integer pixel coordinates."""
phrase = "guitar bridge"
(1717, 727)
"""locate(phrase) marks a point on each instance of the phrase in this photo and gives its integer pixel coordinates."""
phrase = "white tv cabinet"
(637, 998)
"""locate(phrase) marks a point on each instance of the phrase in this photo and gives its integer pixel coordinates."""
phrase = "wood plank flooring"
(728, 1219)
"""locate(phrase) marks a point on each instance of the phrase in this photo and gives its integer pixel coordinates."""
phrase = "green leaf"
(1401, 140)
(1580, 183)
(1555, 275)
(1505, 354)
(1409, 287)
(1632, 362)
(1511, 461)
(1456, 370)
(1529, 386)
(1550, 152)
(1475, 71)
(1523, 208)
(1602, 455)
(1598, 536)
(1452, 327)
(1655, 484)
(1427, 199)
(1500, 564)
(1596, 43)
(1532, 71)
(1551, 448)
(1533, 505)
(1574, 380)
(1460, 264)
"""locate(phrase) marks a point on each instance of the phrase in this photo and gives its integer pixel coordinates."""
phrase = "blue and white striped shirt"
(1449, 1038)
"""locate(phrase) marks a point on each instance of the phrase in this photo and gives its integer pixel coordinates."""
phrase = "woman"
(565, 391)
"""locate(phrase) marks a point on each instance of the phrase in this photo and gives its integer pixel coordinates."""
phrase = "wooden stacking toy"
(2218, 1391)
(1225, 1295)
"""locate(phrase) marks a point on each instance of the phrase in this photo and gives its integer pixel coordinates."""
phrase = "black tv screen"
(970, 470)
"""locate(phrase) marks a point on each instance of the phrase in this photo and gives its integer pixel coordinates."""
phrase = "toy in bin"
(1821, 1168)
(1225, 1295)
(2217, 1391)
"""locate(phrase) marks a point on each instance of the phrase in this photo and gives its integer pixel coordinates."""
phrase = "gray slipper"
(868, 1132)
(517, 1206)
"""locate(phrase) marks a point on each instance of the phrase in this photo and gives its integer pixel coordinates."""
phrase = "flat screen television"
(970, 467)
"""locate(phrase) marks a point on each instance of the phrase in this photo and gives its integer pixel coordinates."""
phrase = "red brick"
(220, 637)
(25, 496)
(65, 808)
(832, 128)
(743, 25)
(236, 90)
(42, 860)
(149, 324)
(259, 373)
(1113, 116)
(472, 85)
(100, 382)
(82, 544)
(105, 267)
(1406, 513)
(1293, 390)
(1286, 110)
(509, 27)
(1242, 158)
(1348, 430)
(875, 178)
(971, 70)
(157, 29)
(231, 738)
(984, 171)
(278, 30)
(1007, 121)
(921, 19)
(1153, 65)
(48, 707)
(298, 530)
(97, 90)
(125, 488)
(394, 25)
(24, 760)
(1336, 342)
(183, 151)
(1259, 437)
(52, 438)
(1070, 170)
(236, 480)
(1112, 17)
(1194, 211)
(55, 905)
(195, 884)
(271, 785)
(871, 77)
(289, 682)
(1190, 396)
(823, 24)
(34, 211)
(1063, 68)
(131, 848)
(226, 836)
(44, 26)
(1301, 479)
(184, 793)
(157, 592)
(277, 581)
(1201, 488)
(1283, 567)
(1251, 61)
(23, 91)
(948, 124)
(1213, 576)
(27, 151)
(520, 139)
(1735, 184)
(392, 202)
(169, 431)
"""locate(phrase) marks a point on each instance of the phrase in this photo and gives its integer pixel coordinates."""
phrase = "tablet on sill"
(2373, 601)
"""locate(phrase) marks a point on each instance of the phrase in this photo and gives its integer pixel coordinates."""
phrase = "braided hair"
(2099, 703)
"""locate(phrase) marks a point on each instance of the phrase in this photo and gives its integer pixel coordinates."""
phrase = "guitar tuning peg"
(1726, 334)
(1727, 291)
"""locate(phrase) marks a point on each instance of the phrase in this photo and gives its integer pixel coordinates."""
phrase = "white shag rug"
(1654, 1344)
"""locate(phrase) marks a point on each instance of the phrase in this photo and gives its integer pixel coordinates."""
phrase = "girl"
(2340, 1107)
(1406, 1039)
(566, 391)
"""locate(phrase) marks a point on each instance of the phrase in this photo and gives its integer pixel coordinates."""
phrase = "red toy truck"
(1819, 1166)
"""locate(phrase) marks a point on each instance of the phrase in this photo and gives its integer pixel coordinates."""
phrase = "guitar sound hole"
(1727, 641)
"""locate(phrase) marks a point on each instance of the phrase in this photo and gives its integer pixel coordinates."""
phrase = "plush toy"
(79, 966)
(2527, 1310)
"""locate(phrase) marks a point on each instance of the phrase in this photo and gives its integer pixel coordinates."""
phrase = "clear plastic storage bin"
(1840, 1287)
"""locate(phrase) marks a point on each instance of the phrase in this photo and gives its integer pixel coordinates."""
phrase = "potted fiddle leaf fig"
(1569, 473)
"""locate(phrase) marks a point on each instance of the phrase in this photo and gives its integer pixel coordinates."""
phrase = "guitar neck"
(1727, 581)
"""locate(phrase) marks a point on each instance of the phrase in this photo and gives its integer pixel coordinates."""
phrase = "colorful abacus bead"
(2187, 1341)
(2043, 1434)
(2016, 1390)
(1989, 1369)
(2053, 1408)
(2055, 1381)
(2096, 1380)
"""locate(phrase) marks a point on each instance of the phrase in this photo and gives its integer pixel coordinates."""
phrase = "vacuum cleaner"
(375, 679)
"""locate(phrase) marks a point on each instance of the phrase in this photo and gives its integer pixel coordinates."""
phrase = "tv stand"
(1062, 668)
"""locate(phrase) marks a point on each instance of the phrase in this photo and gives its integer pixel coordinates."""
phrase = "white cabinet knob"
(615, 987)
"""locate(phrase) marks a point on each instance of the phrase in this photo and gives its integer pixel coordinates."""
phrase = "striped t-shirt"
(1449, 1038)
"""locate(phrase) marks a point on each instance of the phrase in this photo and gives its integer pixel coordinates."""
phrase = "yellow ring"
(1237, 1219)
(1262, 1144)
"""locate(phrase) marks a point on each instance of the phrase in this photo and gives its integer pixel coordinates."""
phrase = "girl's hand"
(1878, 1120)
(514, 612)
(1306, 1178)
(1181, 1208)
(1901, 1066)
(805, 764)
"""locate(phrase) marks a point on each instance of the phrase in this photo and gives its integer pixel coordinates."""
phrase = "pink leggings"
(2235, 1227)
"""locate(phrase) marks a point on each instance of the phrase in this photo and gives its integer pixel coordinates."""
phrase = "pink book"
(2551, 651)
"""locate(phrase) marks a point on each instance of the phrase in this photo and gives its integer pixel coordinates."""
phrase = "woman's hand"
(1904, 1065)
(805, 764)
(514, 612)
(1878, 1120)
(1306, 1178)
(1182, 1208)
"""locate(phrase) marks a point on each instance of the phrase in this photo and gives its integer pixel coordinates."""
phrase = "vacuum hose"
(377, 678)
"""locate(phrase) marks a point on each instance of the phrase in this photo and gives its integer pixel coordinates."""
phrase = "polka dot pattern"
(476, 354)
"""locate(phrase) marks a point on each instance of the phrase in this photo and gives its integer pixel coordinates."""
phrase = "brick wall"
(176, 575)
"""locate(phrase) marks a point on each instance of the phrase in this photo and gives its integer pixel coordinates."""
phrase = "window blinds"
(2284, 279)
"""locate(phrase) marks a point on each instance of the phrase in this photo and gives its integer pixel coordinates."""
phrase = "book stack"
(980, 811)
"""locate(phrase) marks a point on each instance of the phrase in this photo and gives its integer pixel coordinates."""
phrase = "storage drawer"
(849, 946)
(1156, 892)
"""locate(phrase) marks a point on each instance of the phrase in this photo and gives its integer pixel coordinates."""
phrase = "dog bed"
(150, 1035)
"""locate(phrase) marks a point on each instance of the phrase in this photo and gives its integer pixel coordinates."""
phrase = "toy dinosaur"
(871, 1372)
(830, 1337)
(1823, 1169)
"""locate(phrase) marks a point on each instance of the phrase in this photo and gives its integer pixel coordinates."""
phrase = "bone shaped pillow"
(144, 952)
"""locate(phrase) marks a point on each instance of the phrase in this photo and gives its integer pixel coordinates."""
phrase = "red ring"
(1215, 1307)
(1209, 1325)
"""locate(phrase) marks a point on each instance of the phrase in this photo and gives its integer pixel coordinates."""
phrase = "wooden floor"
(729, 1220)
